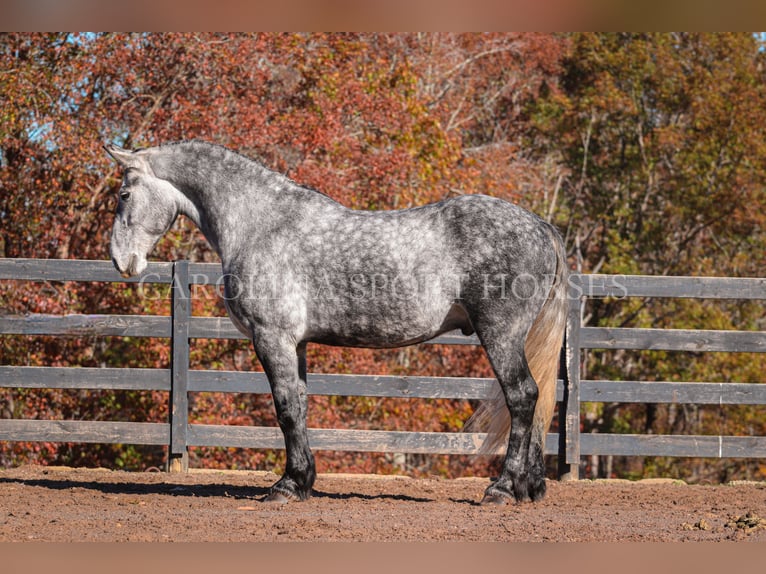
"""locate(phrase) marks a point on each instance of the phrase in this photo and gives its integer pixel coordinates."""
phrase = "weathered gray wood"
(663, 286)
(179, 368)
(673, 340)
(453, 338)
(78, 270)
(213, 328)
(569, 447)
(348, 385)
(673, 445)
(245, 382)
(345, 440)
(183, 327)
(84, 431)
(205, 274)
(663, 392)
(84, 378)
(466, 388)
(223, 328)
(86, 325)
(210, 274)
(743, 447)
(228, 382)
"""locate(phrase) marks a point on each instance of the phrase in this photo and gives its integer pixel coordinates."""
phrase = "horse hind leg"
(541, 351)
(536, 475)
(518, 479)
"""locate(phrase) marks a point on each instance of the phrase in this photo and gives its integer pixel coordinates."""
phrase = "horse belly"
(381, 322)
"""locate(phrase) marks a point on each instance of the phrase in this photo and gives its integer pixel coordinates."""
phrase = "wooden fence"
(178, 381)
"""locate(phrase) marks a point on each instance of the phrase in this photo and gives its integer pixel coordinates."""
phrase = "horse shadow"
(213, 490)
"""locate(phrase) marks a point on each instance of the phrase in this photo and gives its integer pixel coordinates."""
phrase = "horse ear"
(124, 157)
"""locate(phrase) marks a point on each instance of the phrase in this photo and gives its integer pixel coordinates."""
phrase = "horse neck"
(221, 191)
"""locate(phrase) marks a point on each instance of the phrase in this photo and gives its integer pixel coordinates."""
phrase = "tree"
(644, 149)
(350, 114)
(660, 136)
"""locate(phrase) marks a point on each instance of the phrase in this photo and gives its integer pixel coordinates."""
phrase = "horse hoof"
(276, 497)
(494, 500)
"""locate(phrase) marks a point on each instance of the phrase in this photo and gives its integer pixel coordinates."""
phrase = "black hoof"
(536, 490)
(501, 492)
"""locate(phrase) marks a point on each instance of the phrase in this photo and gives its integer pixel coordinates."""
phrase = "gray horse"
(299, 267)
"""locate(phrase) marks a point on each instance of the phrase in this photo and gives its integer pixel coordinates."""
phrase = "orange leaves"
(377, 121)
(648, 148)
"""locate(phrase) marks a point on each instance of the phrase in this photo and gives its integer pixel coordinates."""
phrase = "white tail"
(542, 349)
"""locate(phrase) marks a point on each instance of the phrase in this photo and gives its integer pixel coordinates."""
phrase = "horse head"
(146, 209)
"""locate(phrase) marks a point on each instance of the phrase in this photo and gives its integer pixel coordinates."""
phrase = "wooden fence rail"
(580, 337)
(178, 381)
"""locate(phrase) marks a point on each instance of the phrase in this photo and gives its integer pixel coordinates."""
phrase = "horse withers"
(300, 267)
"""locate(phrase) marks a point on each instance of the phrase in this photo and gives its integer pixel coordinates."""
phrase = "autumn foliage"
(646, 150)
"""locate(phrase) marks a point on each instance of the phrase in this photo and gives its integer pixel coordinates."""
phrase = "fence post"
(569, 412)
(178, 454)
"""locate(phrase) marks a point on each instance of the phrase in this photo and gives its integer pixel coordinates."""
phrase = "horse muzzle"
(130, 270)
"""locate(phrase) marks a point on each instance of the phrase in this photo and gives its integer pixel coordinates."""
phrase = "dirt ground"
(65, 505)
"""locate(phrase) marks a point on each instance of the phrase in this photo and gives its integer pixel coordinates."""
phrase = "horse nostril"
(127, 272)
(132, 265)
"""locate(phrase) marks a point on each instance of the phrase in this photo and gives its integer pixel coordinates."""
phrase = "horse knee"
(289, 415)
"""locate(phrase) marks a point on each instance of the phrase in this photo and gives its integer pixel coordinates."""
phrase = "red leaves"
(375, 121)
(649, 148)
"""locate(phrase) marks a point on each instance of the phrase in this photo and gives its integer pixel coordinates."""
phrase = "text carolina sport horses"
(300, 267)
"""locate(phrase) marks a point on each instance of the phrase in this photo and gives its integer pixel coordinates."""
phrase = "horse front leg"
(285, 367)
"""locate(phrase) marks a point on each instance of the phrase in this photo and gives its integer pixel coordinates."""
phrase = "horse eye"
(124, 195)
